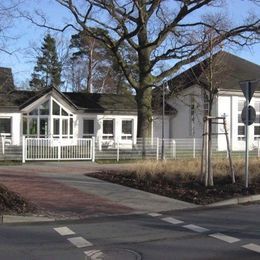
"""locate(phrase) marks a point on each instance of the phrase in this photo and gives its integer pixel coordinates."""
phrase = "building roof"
(229, 70)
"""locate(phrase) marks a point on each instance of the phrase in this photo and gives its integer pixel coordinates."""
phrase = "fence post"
(157, 148)
(194, 148)
(3, 144)
(59, 149)
(117, 151)
(24, 149)
(173, 148)
(93, 149)
(258, 148)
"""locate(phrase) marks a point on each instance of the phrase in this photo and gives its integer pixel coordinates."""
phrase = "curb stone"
(235, 201)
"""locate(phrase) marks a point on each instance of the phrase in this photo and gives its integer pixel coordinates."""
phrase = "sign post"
(248, 88)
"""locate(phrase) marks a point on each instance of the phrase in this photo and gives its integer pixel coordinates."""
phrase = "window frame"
(126, 136)
(108, 136)
(88, 135)
(240, 124)
(11, 124)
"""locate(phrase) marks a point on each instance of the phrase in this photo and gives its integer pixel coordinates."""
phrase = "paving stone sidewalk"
(56, 199)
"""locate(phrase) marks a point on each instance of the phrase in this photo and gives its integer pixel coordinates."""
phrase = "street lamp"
(164, 89)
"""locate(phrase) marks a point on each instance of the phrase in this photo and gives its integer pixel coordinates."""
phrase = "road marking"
(79, 242)
(64, 231)
(225, 238)
(252, 247)
(196, 228)
(94, 255)
(154, 214)
(172, 220)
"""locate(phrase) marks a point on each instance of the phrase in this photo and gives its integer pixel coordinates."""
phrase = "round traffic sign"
(250, 111)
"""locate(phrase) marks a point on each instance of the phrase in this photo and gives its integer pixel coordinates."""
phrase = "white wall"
(181, 124)
(16, 126)
(157, 127)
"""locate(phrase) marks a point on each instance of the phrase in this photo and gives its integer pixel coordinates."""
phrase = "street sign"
(251, 115)
(248, 88)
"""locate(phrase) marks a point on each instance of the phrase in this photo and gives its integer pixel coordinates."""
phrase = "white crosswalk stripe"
(225, 238)
(64, 231)
(80, 242)
(196, 228)
(172, 220)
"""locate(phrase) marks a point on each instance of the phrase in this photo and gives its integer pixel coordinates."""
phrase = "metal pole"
(163, 114)
(246, 134)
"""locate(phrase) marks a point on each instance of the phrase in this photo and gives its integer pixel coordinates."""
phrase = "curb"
(8, 219)
(235, 201)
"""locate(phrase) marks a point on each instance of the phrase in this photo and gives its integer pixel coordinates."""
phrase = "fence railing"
(57, 149)
(91, 149)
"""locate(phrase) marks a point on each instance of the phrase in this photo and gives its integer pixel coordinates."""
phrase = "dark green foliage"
(47, 71)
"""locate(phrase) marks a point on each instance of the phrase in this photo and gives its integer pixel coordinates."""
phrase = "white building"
(189, 98)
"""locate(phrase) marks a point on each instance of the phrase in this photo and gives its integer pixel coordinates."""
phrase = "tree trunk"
(144, 114)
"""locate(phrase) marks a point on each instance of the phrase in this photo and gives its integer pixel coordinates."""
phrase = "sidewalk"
(61, 190)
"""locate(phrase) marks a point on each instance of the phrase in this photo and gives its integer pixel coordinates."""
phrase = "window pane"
(257, 130)
(34, 112)
(25, 126)
(88, 127)
(64, 126)
(63, 112)
(5, 125)
(257, 119)
(44, 108)
(43, 126)
(108, 127)
(33, 126)
(55, 108)
(127, 127)
(71, 126)
(241, 130)
(56, 126)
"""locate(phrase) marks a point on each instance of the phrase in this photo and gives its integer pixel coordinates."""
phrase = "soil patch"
(13, 203)
(186, 188)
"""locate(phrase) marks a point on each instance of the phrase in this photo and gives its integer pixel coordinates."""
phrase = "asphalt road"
(222, 233)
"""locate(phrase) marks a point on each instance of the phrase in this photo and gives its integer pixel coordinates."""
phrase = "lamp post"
(164, 88)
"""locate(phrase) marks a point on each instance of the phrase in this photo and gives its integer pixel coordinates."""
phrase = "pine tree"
(47, 71)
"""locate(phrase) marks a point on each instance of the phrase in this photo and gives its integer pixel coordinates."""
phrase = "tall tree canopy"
(47, 71)
(164, 35)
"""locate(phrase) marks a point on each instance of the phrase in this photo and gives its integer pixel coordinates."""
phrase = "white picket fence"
(35, 149)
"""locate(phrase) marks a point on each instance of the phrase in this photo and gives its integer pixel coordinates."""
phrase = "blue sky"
(28, 35)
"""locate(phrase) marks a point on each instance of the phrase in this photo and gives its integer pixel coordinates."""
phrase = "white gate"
(36, 149)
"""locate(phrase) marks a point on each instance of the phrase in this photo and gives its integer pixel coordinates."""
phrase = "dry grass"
(191, 168)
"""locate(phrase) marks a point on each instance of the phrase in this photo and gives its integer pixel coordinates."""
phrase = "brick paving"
(53, 198)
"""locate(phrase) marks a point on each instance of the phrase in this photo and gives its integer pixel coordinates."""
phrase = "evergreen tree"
(47, 71)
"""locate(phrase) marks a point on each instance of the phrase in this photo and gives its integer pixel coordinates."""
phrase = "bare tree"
(158, 32)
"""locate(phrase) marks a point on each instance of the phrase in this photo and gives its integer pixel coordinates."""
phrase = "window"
(71, 127)
(108, 129)
(241, 126)
(44, 127)
(33, 126)
(55, 108)
(65, 127)
(44, 108)
(257, 121)
(126, 129)
(5, 126)
(88, 128)
(56, 126)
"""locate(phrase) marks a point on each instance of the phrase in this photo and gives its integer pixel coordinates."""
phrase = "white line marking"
(94, 255)
(253, 247)
(79, 242)
(225, 238)
(154, 214)
(196, 228)
(64, 231)
(172, 220)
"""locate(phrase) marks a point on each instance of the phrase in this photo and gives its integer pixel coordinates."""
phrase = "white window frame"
(126, 137)
(257, 124)
(84, 135)
(240, 124)
(11, 124)
(108, 136)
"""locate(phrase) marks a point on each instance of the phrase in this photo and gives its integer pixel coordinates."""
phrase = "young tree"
(47, 71)
(158, 31)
